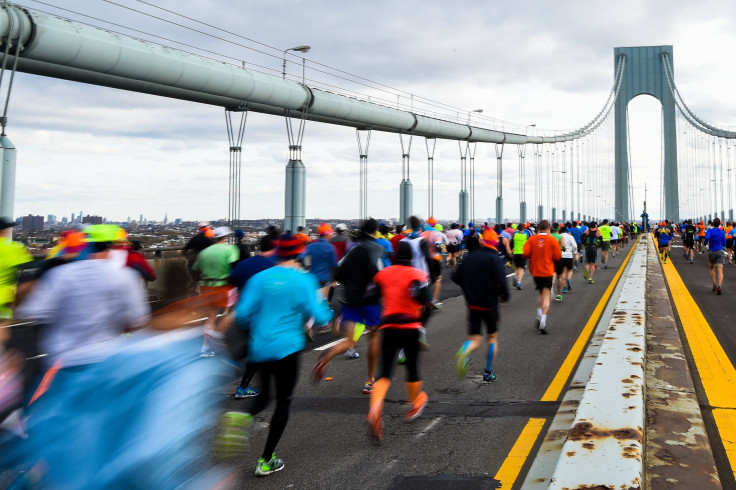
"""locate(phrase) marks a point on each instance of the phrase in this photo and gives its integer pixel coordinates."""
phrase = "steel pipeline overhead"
(61, 48)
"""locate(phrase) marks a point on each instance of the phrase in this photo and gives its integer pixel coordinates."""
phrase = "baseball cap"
(490, 238)
(341, 227)
(324, 229)
(105, 233)
(204, 224)
(431, 221)
(222, 231)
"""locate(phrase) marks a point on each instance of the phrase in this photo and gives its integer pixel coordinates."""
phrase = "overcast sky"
(117, 154)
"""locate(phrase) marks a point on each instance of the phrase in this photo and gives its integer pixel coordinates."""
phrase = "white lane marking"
(327, 346)
(429, 427)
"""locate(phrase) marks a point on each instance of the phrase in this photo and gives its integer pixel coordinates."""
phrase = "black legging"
(285, 372)
(393, 339)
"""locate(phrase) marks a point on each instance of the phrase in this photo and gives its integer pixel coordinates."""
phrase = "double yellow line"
(715, 369)
(511, 467)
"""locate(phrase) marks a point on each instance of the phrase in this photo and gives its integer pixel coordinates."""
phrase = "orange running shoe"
(417, 407)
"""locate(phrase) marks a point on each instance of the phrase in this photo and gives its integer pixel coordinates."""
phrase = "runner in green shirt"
(12, 256)
(605, 230)
(518, 240)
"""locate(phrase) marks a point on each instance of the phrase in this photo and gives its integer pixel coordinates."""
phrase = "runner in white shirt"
(615, 236)
(568, 254)
(454, 239)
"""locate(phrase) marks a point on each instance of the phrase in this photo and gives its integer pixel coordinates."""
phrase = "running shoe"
(436, 305)
(564, 290)
(267, 467)
(605, 266)
(375, 421)
(232, 439)
(206, 353)
(352, 354)
(423, 344)
(318, 371)
(585, 273)
(558, 298)
(367, 388)
(463, 359)
(591, 281)
(488, 377)
(543, 326)
(402, 356)
(518, 286)
(246, 392)
(537, 321)
(569, 286)
(718, 291)
(417, 407)
(713, 288)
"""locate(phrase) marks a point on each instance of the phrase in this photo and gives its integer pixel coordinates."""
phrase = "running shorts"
(477, 317)
(219, 296)
(689, 242)
(717, 257)
(434, 270)
(614, 242)
(451, 248)
(606, 246)
(591, 254)
(559, 267)
(519, 261)
(729, 242)
(567, 263)
(370, 315)
(542, 283)
(662, 248)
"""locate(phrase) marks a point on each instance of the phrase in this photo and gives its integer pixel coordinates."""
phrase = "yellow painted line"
(715, 369)
(511, 467)
(563, 374)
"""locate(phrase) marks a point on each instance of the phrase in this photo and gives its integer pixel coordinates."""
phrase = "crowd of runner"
(260, 311)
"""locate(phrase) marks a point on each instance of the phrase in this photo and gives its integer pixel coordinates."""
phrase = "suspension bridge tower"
(645, 74)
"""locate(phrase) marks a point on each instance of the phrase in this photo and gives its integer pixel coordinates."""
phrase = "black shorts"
(542, 283)
(614, 242)
(434, 270)
(451, 248)
(567, 263)
(477, 317)
(729, 242)
(689, 242)
(559, 267)
(591, 254)
(663, 248)
(519, 261)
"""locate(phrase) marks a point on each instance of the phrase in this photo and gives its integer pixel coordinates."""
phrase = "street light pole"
(301, 49)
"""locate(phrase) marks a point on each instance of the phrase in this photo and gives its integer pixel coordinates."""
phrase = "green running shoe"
(267, 467)
(463, 359)
(232, 440)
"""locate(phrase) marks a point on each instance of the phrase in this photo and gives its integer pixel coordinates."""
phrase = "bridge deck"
(473, 435)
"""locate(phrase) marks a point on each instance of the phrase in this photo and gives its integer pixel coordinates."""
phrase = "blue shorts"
(370, 315)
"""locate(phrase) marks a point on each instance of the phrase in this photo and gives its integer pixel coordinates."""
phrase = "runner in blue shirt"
(716, 240)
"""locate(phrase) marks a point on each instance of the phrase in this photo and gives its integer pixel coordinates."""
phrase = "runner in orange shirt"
(542, 250)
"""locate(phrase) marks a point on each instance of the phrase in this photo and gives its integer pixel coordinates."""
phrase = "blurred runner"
(542, 251)
(275, 304)
(406, 306)
(482, 277)
(12, 256)
(215, 263)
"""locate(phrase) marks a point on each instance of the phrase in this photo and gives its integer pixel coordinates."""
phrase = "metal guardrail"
(604, 446)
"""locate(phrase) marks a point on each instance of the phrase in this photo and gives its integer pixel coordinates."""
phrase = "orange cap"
(324, 229)
(431, 221)
(490, 238)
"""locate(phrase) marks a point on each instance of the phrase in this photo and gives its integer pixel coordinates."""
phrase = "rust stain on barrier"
(585, 430)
